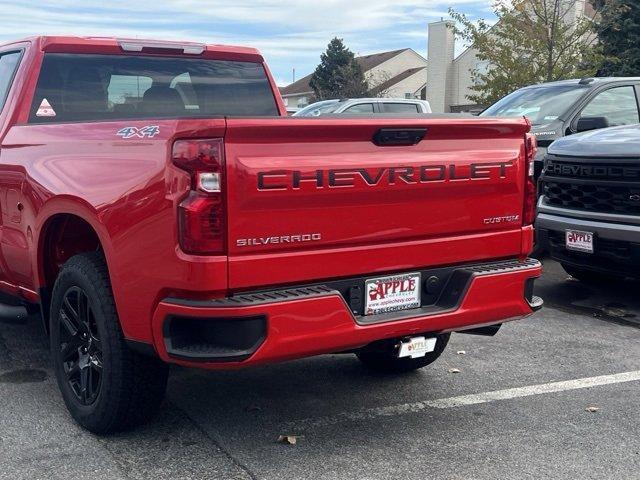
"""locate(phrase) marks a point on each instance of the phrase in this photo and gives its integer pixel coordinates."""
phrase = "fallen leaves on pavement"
(288, 439)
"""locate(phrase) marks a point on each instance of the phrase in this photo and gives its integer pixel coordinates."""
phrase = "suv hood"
(609, 142)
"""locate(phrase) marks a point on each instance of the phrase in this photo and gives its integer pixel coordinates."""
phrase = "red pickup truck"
(158, 207)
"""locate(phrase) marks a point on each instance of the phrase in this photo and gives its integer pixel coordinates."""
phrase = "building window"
(303, 102)
(408, 95)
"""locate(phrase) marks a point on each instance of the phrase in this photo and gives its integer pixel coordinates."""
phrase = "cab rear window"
(110, 87)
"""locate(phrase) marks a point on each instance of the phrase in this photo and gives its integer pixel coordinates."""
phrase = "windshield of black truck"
(541, 105)
(104, 87)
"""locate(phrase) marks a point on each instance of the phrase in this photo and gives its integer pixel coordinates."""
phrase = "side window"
(360, 109)
(401, 108)
(8, 66)
(618, 105)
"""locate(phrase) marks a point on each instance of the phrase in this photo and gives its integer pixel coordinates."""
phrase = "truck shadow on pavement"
(24, 352)
(614, 301)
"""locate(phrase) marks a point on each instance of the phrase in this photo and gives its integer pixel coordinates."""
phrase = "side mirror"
(591, 123)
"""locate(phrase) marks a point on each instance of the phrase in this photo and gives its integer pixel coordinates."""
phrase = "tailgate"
(310, 199)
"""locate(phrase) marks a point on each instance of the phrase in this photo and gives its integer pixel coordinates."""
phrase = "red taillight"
(529, 212)
(202, 214)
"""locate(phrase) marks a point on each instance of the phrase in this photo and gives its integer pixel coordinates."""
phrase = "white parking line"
(473, 399)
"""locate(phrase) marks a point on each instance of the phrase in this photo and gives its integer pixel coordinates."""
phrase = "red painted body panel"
(128, 191)
(364, 228)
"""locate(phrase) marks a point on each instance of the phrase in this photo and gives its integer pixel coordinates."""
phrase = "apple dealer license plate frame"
(393, 293)
(579, 241)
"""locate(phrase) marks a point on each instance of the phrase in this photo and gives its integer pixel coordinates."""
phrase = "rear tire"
(382, 356)
(590, 276)
(106, 386)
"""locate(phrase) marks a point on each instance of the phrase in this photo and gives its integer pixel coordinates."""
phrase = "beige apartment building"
(394, 74)
(450, 76)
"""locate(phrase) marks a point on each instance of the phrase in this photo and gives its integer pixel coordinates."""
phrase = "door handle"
(387, 137)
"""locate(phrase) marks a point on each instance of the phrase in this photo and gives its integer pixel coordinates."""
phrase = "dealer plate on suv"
(579, 241)
(393, 293)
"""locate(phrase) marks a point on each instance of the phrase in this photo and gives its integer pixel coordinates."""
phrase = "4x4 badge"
(149, 131)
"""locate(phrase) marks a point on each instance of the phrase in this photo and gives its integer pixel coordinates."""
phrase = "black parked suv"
(566, 107)
(589, 206)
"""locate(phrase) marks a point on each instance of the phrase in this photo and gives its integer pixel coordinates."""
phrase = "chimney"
(440, 55)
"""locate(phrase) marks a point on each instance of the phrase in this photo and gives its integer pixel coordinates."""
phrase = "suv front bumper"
(256, 328)
(616, 245)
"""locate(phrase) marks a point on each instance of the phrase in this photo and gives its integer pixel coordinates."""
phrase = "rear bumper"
(257, 328)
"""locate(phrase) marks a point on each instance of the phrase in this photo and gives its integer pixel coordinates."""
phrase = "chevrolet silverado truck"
(589, 207)
(159, 207)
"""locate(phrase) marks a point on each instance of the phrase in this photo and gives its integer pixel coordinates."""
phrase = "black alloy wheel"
(80, 346)
(106, 386)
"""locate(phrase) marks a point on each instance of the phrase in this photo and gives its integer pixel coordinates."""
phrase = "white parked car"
(364, 106)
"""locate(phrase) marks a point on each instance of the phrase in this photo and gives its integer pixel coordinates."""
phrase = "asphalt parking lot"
(553, 396)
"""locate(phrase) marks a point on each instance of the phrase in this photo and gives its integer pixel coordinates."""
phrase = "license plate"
(579, 241)
(393, 293)
(417, 347)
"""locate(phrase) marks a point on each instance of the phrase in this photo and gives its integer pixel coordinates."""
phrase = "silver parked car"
(364, 106)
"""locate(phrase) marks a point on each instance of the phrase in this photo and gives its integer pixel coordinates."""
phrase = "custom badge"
(45, 109)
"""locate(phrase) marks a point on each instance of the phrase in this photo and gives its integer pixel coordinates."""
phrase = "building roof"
(397, 79)
(366, 62)
(298, 87)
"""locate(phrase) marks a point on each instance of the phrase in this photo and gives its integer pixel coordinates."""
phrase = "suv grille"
(596, 187)
(596, 198)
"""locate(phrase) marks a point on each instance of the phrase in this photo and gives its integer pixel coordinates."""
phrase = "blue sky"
(290, 34)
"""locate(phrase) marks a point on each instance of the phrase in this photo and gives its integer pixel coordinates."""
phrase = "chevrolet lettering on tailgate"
(295, 179)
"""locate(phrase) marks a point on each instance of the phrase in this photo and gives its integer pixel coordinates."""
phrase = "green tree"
(532, 41)
(619, 35)
(338, 75)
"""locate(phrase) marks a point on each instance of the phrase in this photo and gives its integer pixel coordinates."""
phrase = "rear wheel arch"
(62, 236)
